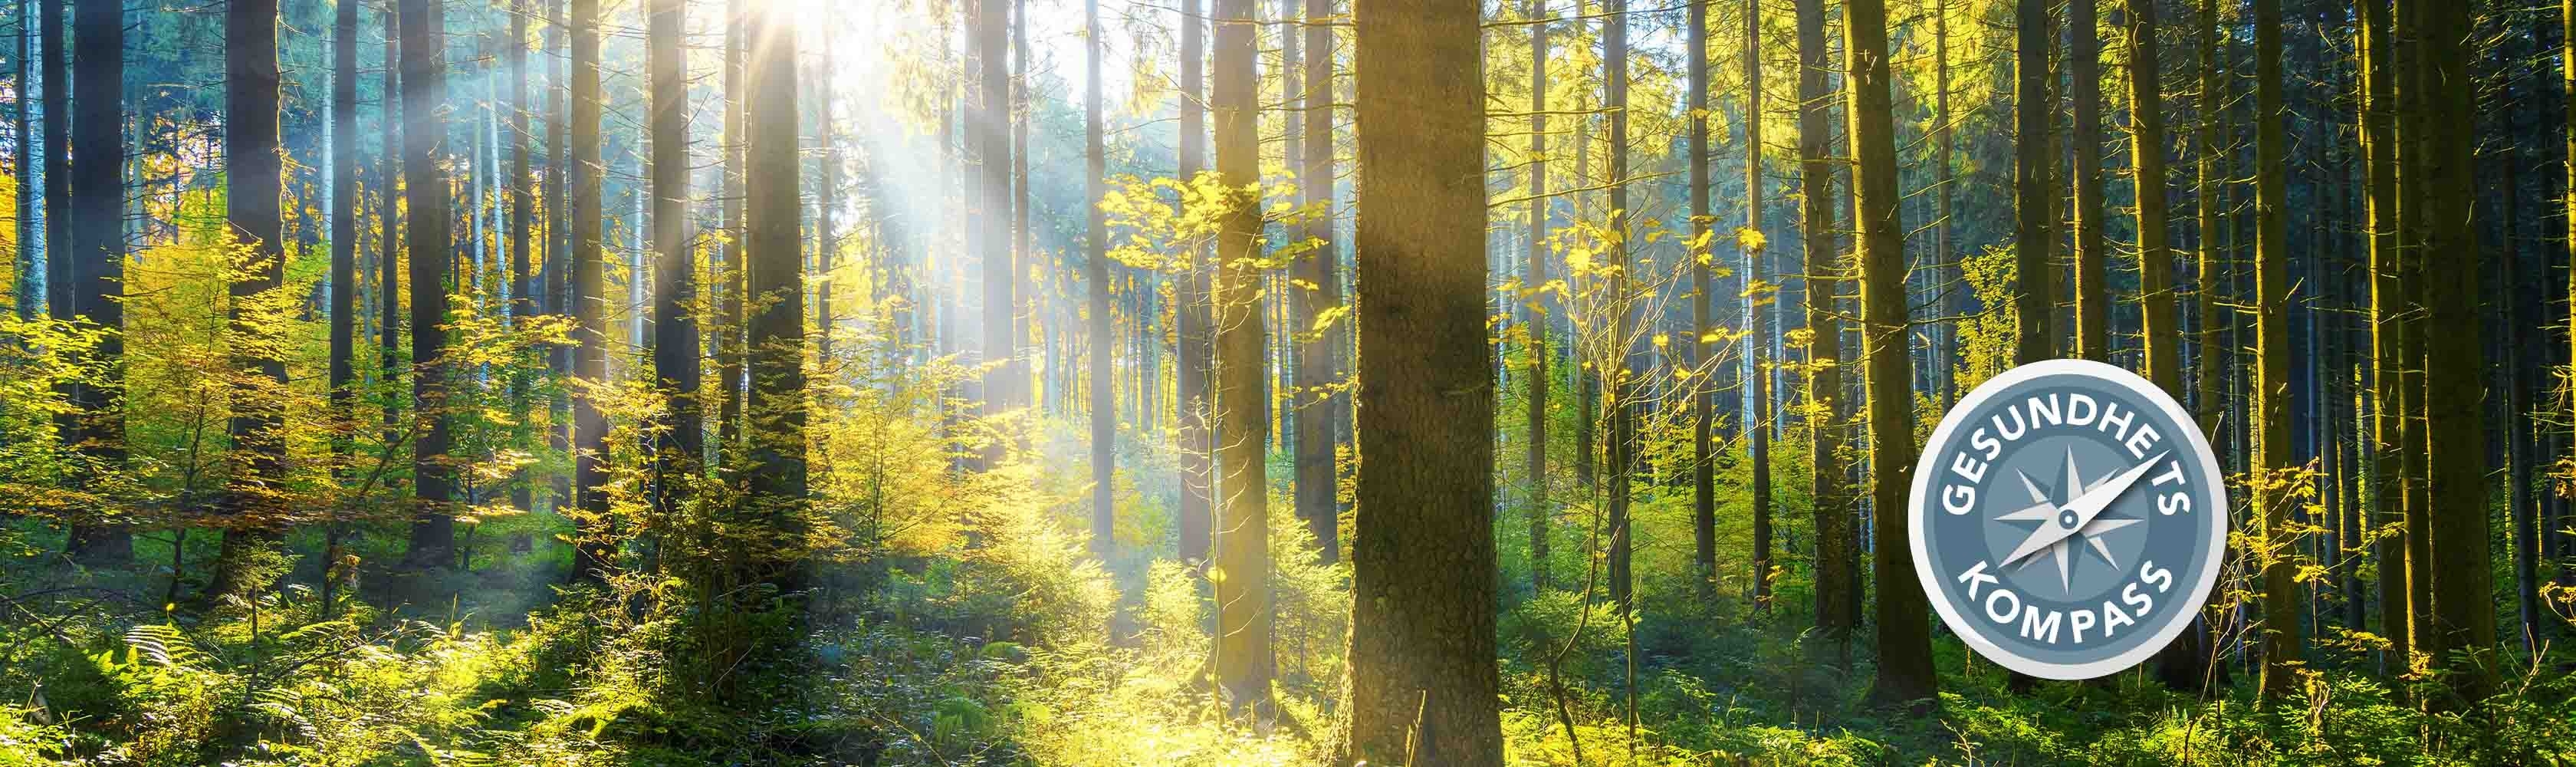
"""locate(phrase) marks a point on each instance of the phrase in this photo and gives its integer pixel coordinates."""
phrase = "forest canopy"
(1236, 382)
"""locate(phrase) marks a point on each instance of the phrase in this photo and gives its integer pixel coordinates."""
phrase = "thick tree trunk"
(1904, 619)
(254, 197)
(389, 349)
(1423, 684)
(1828, 413)
(424, 94)
(2034, 277)
(2272, 498)
(775, 280)
(1244, 665)
(523, 278)
(2456, 470)
(2157, 328)
(94, 256)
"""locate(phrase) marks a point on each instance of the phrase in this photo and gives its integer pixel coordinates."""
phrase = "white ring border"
(1928, 465)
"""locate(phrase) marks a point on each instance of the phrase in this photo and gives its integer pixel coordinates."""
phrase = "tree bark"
(1095, 273)
(2034, 278)
(681, 445)
(1828, 412)
(1760, 299)
(594, 554)
(2272, 498)
(1540, 516)
(1617, 363)
(1694, 345)
(1195, 337)
(2084, 75)
(94, 256)
(1905, 672)
(1423, 684)
(1318, 487)
(254, 197)
(1244, 665)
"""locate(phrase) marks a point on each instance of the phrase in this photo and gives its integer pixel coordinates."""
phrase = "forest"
(1237, 382)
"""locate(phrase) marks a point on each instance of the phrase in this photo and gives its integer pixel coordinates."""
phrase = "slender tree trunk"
(1318, 489)
(1244, 665)
(2158, 331)
(1618, 361)
(1905, 673)
(523, 276)
(1757, 345)
(389, 216)
(254, 198)
(595, 553)
(1946, 272)
(1095, 273)
(1423, 684)
(25, 297)
(1196, 336)
(344, 264)
(729, 291)
(1695, 346)
(1827, 411)
(682, 444)
(1541, 515)
(2084, 75)
(989, 128)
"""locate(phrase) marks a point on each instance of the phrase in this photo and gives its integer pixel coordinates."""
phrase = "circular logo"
(2069, 519)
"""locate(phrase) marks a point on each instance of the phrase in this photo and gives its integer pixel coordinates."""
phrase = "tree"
(729, 290)
(344, 229)
(2180, 664)
(523, 283)
(2084, 75)
(2147, 155)
(1905, 672)
(389, 232)
(2272, 498)
(1318, 487)
(23, 295)
(254, 195)
(680, 443)
(2387, 306)
(1423, 684)
(1535, 319)
(2463, 606)
(2034, 281)
(1244, 665)
(1702, 401)
(1617, 364)
(590, 366)
(1095, 273)
(1194, 333)
(988, 126)
(1827, 411)
(1757, 448)
(94, 256)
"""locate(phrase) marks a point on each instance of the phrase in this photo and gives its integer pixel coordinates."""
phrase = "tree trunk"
(2272, 497)
(389, 349)
(2158, 331)
(424, 94)
(1617, 363)
(1095, 273)
(729, 290)
(989, 129)
(2456, 465)
(2034, 283)
(1828, 413)
(94, 256)
(1423, 684)
(1244, 665)
(1195, 337)
(2084, 74)
(775, 279)
(523, 287)
(24, 296)
(254, 197)
(1757, 344)
(1695, 346)
(1318, 489)
(1905, 673)
(594, 553)
(344, 232)
(681, 445)
(1541, 517)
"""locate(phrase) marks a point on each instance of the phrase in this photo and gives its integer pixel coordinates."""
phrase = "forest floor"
(999, 651)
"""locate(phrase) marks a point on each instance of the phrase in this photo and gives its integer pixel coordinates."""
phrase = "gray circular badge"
(2068, 519)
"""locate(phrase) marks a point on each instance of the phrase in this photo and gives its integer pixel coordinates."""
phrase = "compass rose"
(2074, 511)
